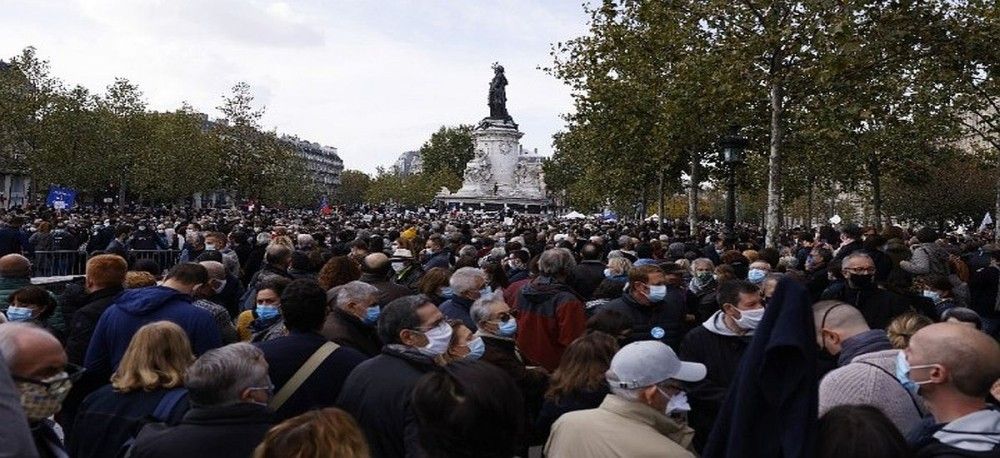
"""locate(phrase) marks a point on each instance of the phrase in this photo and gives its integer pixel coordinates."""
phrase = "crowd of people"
(378, 333)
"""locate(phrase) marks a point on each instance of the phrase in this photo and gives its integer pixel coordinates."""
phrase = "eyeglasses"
(58, 383)
(860, 270)
(670, 387)
(504, 317)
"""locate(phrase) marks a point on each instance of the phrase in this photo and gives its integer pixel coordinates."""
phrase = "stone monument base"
(490, 204)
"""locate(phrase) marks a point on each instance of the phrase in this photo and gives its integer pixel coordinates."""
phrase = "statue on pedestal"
(498, 95)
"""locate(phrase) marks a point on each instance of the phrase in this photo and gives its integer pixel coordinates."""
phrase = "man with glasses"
(43, 377)
(877, 305)
(379, 390)
(635, 419)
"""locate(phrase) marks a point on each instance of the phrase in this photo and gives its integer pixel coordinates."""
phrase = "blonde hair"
(619, 266)
(157, 357)
(315, 434)
(139, 279)
(903, 327)
(751, 255)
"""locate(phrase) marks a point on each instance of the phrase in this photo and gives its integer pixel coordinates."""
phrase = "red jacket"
(550, 317)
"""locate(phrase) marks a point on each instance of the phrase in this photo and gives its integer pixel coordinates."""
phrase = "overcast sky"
(372, 78)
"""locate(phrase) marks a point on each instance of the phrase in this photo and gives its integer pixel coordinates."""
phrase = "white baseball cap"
(648, 362)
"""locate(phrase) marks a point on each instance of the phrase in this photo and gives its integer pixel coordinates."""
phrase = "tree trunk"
(773, 225)
(693, 196)
(996, 217)
(876, 176)
(809, 205)
(659, 191)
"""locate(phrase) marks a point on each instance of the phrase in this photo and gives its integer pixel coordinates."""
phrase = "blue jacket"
(138, 307)
(458, 308)
(439, 259)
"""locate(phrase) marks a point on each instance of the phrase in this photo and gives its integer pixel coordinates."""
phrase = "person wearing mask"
(276, 262)
(33, 304)
(850, 242)
(202, 295)
(938, 289)
(435, 254)
(217, 241)
(655, 314)
(817, 271)
(434, 285)
(719, 344)
(703, 286)
(303, 305)
(118, 244)
(264, 322)
(406, 270)
(472, 407)
(150, 378)
(464, 345)
(517, 266)
(43, 377)
(758, 272)
(376, 270)
(952, 367)
(578, 383)
(228, 388)
(353, 316)
(378, 393)
(866, 359)
(467, 285)
(589, 273)
(551, 315)
(634, 420)
(323, 433)
(146, 239)
(15, 273)
(878, 306)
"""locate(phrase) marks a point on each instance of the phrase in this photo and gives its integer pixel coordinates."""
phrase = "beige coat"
(618, 428)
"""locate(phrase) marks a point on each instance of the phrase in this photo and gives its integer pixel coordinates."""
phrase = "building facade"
(409, 163)
(323, 163)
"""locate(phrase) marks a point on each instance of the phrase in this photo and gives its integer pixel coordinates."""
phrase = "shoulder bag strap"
(167, 403)
(301, 375)
(913, 399)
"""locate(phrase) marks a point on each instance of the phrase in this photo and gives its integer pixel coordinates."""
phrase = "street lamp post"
(732, 154)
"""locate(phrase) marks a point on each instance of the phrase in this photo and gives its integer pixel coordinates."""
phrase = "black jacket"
(878, 306)
(845, 250)
(983, 290)
(721, 356)
(586, 277)
(84, 321)
(553, 409)
(285, 355)
(346, 329)
(219, 432)
(387, 290)
(378, 394)
(107, 419)
(667, 315)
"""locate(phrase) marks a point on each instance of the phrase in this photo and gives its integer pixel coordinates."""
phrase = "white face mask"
(678, 403)
(438, 340)
(750, 319)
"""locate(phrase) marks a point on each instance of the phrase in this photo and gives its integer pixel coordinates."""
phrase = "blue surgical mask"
(756, 276)
(508, 328)
(15, 313)
(447, 292)
(657, 292)
(607, 273)
(372, 314)
(903, 373)
(486, 291)
(476, 349)
(266, 312)
(932, 295)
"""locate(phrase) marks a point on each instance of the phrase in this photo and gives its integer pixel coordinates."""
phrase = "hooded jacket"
(974, 435)
(928, 258)
(138, 307)
(551, 317)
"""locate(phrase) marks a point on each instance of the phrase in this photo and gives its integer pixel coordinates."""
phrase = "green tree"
(448, 149)
(354, 186)
(124, 113)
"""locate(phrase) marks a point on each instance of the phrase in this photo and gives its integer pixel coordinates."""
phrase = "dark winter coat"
(551, 316)
(457, 308)
(107, 419)
(347, 330)
(231, 431)
(84, 321)
(285, 355)
(587, 276)
(877, 305)
(378, 394)
(667, 317)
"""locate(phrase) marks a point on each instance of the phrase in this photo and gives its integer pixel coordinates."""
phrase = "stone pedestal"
(499, 173)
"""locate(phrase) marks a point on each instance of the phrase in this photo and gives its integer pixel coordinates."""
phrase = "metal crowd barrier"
(70, 262)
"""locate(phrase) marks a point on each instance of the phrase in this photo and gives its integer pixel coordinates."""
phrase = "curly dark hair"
(339, 270)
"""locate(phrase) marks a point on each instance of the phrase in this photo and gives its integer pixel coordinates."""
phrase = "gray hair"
(263, 238)
(856, 254)
(628, 394)
(355, 291)
(556, 262)
(305, 242)
(275, 253)
(220, 376)
(482, 308)
(702, 261)
(216, 270)
(468, 251)
(466, 279)
(8, 338)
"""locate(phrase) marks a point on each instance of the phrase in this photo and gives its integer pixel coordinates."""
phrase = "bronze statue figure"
(498, 95)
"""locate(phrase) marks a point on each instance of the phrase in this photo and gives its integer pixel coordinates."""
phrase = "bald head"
(216, 271)
(15, 266)
(971, 359)
(30, 351)
(376, 264)
(836, 322)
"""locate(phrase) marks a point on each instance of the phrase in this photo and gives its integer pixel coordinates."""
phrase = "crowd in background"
(275, 333)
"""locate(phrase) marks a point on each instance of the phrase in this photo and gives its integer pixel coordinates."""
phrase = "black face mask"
(861, 281)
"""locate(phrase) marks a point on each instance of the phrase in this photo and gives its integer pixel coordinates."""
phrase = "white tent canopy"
(574, 215)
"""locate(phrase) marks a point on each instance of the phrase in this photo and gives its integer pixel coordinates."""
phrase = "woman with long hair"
(339, 270)
(315, 434)
(149, 379)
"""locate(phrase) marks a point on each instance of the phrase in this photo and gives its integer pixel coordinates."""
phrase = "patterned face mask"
(43, 398)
